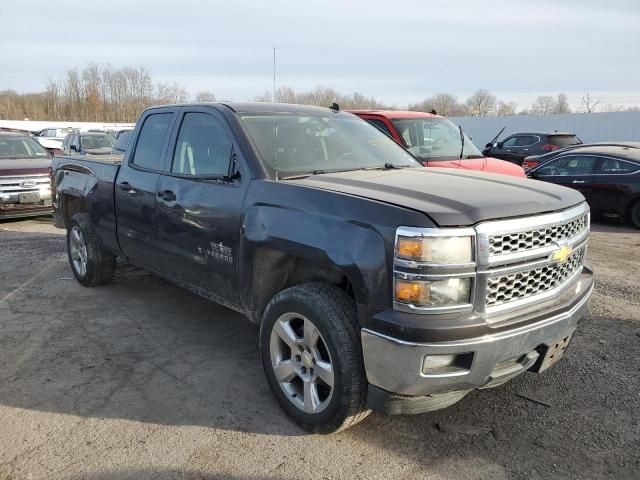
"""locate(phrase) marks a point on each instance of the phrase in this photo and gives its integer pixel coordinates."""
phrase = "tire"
(634, 214)
(91, 265)
(294, 313)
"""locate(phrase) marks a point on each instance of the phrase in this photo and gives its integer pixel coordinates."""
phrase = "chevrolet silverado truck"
(377, 283)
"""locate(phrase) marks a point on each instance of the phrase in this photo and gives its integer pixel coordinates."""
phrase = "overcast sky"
(398, 51)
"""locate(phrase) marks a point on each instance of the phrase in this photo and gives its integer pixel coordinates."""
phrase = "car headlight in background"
(433, 293)
(453, 250)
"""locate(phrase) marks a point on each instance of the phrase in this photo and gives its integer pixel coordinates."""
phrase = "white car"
(52, 138)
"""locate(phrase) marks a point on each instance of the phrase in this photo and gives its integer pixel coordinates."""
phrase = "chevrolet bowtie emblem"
(562, 254)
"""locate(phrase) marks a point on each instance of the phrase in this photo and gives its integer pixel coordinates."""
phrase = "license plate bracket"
(29, 197)
(552, 353)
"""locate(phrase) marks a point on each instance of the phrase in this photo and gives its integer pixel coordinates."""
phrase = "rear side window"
(380, 125)
(151, 140)
(526, 140)
(203, 147)
(123, 141)
(563, 140)
(613, 166)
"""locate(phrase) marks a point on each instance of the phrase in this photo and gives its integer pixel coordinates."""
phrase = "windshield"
(433, 138)
(21, 147)
(308, 143)
(96, 141)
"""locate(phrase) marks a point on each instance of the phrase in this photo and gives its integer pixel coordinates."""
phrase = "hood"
(450, 198)
(24, 166)
(98, 151)
(486, 164)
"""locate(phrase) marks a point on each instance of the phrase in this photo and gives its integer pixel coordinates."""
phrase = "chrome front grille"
(508, 243)
(24, 183)
(503, 289)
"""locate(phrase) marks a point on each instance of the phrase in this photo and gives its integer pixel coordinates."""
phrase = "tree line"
(107, 94)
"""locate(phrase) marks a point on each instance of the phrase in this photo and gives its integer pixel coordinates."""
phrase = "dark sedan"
(608, 176)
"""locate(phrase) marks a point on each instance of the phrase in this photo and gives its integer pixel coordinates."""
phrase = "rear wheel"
(312, 357)
(90, 264)
(635, 214)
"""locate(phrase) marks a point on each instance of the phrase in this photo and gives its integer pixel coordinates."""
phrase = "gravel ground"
(142, 380)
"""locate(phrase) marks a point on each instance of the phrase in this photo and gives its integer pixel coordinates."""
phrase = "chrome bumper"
(397, 366)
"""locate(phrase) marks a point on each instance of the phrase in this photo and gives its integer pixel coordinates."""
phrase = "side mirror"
(488, 145)
(498, 144)
(74, 147)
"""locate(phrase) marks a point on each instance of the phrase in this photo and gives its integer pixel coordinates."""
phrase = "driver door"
(573, 171)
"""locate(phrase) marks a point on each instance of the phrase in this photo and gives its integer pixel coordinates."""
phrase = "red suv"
(435, 141)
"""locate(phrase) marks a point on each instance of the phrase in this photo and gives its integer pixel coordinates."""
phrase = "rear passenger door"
(136, 188)
(199, 203)
(614, 182)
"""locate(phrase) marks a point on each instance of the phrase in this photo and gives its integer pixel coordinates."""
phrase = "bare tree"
(505, 108)
(589, 103)
(562, 104)
(482, 102)
(202, 97)
(544, 105)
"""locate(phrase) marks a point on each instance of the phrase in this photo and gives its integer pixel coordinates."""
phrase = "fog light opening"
(447, 364)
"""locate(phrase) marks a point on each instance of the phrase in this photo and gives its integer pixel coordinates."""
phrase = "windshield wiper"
(462, 141)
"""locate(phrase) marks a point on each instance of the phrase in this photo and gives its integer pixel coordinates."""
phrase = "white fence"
(589, 127)
(35, 126)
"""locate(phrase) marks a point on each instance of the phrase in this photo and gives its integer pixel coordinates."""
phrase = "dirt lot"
(142, 380)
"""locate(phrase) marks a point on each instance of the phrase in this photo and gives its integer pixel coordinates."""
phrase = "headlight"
(437, 250)
(433, 293)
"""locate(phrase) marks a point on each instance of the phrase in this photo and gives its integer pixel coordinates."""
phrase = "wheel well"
(72, 205)
(634, 201)
(274, 271)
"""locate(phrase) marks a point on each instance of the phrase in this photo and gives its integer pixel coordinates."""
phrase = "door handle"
(167, 196)
(126, 188)
(578, 181)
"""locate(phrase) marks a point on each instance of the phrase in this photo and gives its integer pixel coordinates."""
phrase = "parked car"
(88, 144)
(120, 146)
(515, 148)
(24, 177)
(377, 283)
(52, 138)
(435, 141)
(535, 160)
(607, 176)
(124, 131)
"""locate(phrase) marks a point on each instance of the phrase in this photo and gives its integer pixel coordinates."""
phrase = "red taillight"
(548, 147)
(530, 163)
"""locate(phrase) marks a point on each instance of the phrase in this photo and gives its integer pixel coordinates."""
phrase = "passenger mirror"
(488, 145)
(74, 147)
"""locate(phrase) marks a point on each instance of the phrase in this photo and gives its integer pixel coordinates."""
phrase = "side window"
(151, 140)
(526, 140)
(203, 147)
(510, 142)
(569, 165)
(613, 166)
(380, 124)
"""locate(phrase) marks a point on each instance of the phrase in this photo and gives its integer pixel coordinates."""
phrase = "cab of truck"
(436, 141)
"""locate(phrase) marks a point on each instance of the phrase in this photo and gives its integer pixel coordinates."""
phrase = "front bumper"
(395, 366)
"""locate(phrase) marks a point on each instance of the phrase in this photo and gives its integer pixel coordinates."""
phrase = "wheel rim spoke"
(324, 370)
(311, 398)
(287, 335)
(311, 335)
(284, 371)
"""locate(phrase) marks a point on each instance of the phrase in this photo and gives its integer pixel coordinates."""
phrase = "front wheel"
(312, 357)
(635, 214)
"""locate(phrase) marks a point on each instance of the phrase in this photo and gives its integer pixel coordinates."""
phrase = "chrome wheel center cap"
(307, 359)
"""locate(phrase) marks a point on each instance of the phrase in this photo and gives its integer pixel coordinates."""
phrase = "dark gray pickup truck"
(377, 283)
